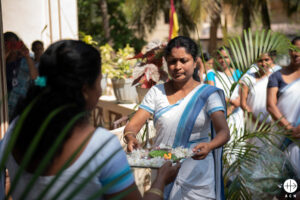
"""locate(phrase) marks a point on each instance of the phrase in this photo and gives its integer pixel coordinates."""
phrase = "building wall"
(46, 20)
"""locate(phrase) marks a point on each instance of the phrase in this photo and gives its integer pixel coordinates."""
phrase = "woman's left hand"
(201, 151)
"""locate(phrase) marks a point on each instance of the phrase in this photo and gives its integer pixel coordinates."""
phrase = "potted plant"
(149, 70)
(117, 67)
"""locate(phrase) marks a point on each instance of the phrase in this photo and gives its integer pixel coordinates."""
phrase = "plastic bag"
(264, 176)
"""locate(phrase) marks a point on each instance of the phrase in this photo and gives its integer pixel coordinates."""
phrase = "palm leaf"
(31, 149)
(49, 156)
(246, 155)
(246, 51)
(14, 136)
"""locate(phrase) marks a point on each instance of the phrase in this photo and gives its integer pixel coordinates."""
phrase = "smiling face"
(265, 61)
(181, 65)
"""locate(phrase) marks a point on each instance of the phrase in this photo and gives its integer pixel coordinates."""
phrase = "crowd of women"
(183, 110)
(186, 112)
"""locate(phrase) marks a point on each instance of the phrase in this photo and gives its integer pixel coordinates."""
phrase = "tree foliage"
(91, 20)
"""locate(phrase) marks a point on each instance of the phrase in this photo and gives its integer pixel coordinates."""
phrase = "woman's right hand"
(167, 173)
(132, 144)
(296, 132)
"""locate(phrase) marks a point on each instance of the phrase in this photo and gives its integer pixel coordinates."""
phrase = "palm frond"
(32, 147)
(49, 156)
(246, 51)
(255, 147)
(43, 164)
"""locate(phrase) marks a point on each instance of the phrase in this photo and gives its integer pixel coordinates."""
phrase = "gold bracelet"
(127, 133)
(156, 191)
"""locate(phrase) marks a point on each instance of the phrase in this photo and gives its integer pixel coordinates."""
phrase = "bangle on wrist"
(157, 192)
(126, 134)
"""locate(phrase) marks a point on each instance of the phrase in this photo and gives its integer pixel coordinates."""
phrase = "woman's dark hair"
(295, 39)
(225, 48)
(67, 65)
(35, 43)
(272, 54)
(10, 35)
(205, 56)
(185, 42)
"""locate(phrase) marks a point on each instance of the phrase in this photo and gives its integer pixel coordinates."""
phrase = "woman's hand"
(201, 151)
(167, 173)
(134, 126)
(132, 143)
(296, 132)
(230, 109)
(24, 51)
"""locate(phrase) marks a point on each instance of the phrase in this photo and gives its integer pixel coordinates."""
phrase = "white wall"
(30, 19)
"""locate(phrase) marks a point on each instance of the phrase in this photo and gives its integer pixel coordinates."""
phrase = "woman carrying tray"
(183, 111)
(92, 160)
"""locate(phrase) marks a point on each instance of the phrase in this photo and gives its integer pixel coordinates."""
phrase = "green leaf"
(49, 156)
(28, 155)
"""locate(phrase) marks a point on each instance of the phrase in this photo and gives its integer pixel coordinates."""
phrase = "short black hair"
(225, 48)
(205, 56)
(295, 39)
(36, 42)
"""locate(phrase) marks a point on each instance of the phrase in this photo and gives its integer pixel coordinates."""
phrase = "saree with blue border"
(289, 105)
(184, 130)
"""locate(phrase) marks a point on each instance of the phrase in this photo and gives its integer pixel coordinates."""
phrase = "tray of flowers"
(155, 158)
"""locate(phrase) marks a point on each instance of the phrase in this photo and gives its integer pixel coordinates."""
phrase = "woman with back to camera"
(69, 81)
(283, 102)
(183, 110)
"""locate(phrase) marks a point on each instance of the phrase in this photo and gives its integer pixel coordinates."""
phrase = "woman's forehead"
(179, 51)
(223, 52)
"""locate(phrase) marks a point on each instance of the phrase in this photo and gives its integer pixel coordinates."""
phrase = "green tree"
(202, 9)
(249, 9)
(106, 22)
(144, 15)
(291, 6)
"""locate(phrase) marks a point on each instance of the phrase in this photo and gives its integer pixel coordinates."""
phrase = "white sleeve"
(148, 102)
(214, 103)
(115, 170)
(247, 79)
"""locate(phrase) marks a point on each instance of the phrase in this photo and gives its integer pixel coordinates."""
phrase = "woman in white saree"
(186, 113)
(254, 90)
(283, 103)
(224, 77)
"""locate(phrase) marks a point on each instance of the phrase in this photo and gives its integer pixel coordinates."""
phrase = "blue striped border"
(146, 108)
(216, 109)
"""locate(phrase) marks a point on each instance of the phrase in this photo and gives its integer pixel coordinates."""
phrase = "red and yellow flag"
(173, 32)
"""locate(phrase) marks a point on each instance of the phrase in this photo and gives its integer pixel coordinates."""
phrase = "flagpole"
(171, 18)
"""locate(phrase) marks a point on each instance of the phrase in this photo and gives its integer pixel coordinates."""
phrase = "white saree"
(289, 105)
(236, 119)
(197, 179)
(257, 96)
